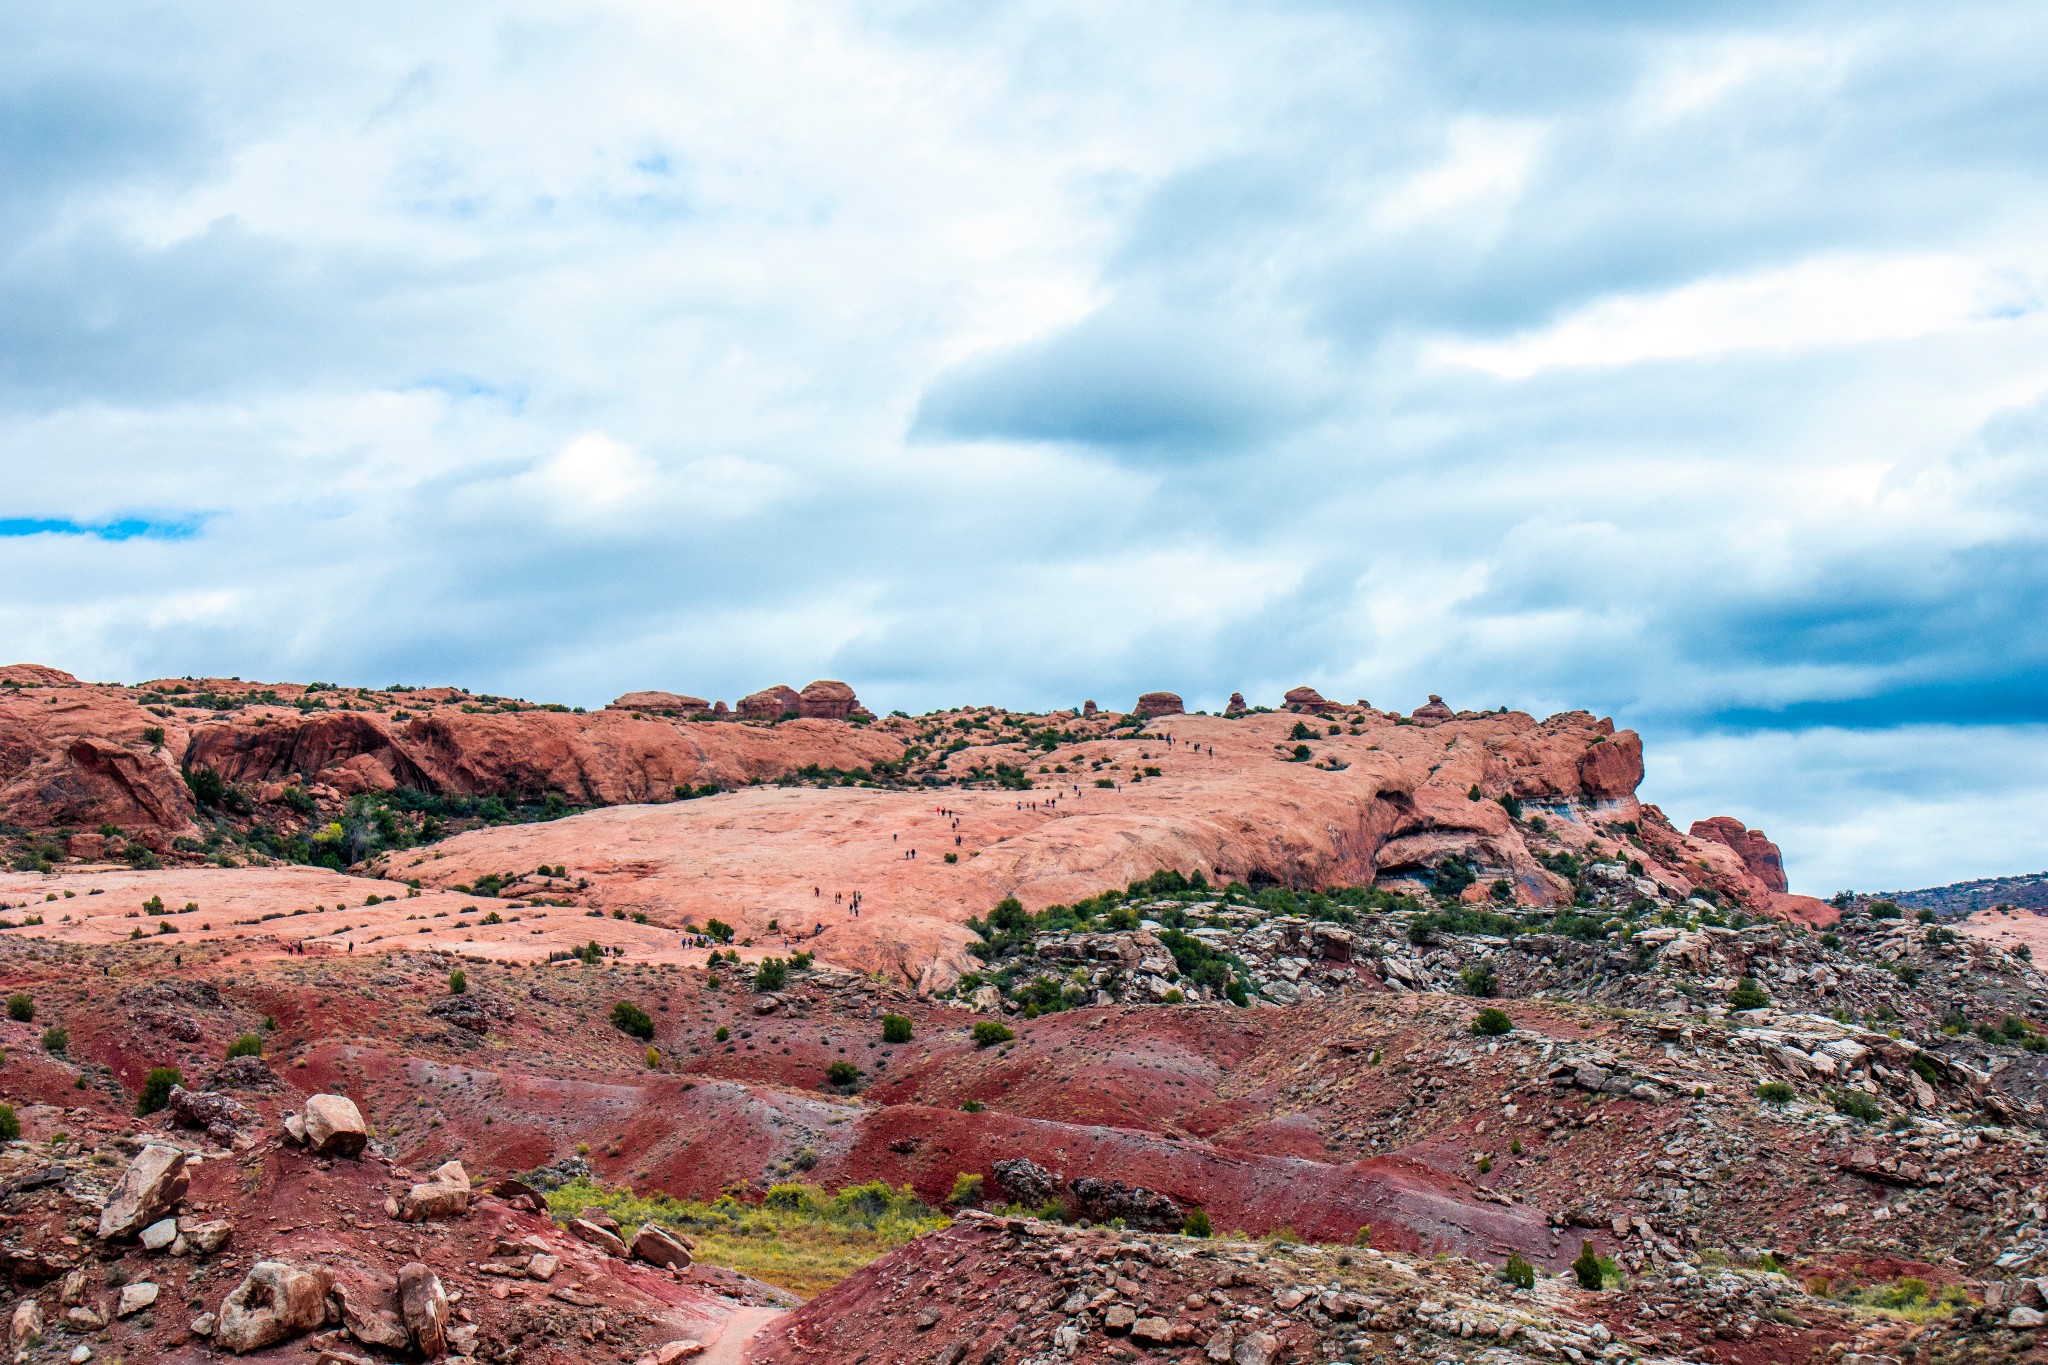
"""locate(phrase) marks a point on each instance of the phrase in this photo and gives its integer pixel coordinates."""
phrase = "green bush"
(1774, 1092)
(896, 1028)
(1856, 1105)
(966, 1190)
(1747, 995)
(842, 1073)
(458, 981)
(628, 1017)
(156, 1089)
(10, 1126)
(724, 1034)
(57, 1040)
(987, 1033)
(972, 1107)
(1518, 1272)
(248, 1045)
(1586, 1267)
(1492, 1023)
(772, 974)
(1197, 1224)
(1479, 980)
(21, 1007)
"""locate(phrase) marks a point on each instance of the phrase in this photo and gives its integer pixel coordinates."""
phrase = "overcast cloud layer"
(1685, 363)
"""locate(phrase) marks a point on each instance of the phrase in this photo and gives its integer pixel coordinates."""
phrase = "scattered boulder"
(657, 1245)
(150, 1188)
(222, 1117)
(25, 1328)
(423, 1307)
(275, 1302)
(368, 1316)
(670, 1352)
(204, 1237)
(244, 1073)
(1024, 1181)
(445, 1193)
(330, 1125)
(134, 1298)
(605, 1240)
(160, 1234)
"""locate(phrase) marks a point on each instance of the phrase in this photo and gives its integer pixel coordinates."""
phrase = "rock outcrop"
(771, 703)
(1236, 706)
(1158, 704)
(1305, 699)
(1758, 854)
(660, 703)
(1434, 713)
(828, 700)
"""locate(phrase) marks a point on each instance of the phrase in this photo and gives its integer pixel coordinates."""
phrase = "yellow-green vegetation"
(800, 1237)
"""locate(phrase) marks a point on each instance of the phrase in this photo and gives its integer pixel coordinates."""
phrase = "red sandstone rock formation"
(666, 703)
(827, 700)
(1758, 854)
(1235, 707)
(1436, 713)
(35, 675)
(1159, 704)
(771, 703)
(1306, 698)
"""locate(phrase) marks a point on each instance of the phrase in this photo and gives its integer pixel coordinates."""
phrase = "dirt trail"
(741, 1328)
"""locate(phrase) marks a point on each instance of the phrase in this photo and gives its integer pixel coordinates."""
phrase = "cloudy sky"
(1687, 363)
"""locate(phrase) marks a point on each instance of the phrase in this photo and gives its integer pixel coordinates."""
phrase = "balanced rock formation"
(1158, 704)
(1435, 713)
(661, 703)
(1305, 698)
(1236, 706)
(771, 703)
(1758, 854)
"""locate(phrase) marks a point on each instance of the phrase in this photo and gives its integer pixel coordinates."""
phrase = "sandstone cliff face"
(1758, 854)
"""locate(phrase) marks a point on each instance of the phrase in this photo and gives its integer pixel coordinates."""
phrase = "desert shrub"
(56, 1040)
(1774, 1092)
(1479, 980)
(156, 1089)
(458, 981)
(1885, 910)
(987, 1033)
(21, 1007)
(652, 1057)
(628, 1017)
(724, 1034)
(10, 1126)
(248, 1045)
(966, 1190)
(1492, 1023)
(842, 1074)
(1586, 1267)
(718, 931)
(1747, 995)
(1518, 1272)
(772, 974)
(1856, 1105)
(896, 1028)
(1197, 1224)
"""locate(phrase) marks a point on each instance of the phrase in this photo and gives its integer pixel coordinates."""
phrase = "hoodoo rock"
(276, 1302)
(827, 700)
(771, 703)
(1088, 710)
(150, 1188)
(1758, 854)
(1236, 706)
(662, 703)
(1306, 699)
(1158, 704)
(1435, 713)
